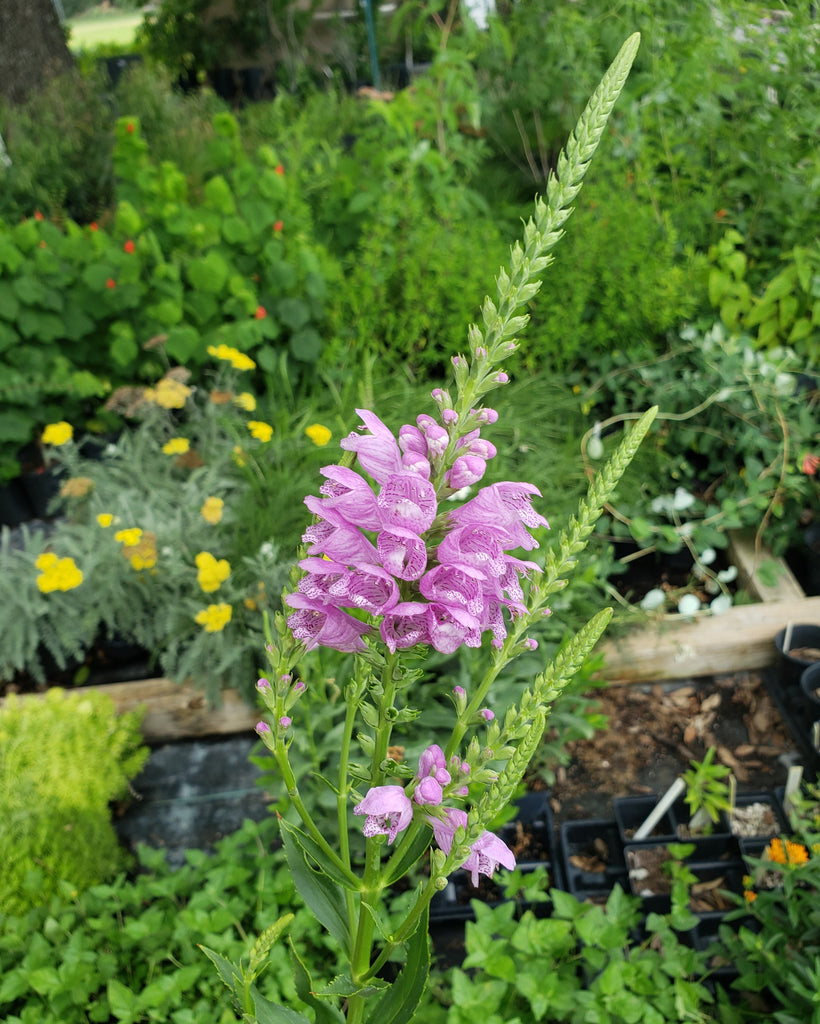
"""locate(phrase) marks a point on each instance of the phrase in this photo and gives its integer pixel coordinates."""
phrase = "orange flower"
(785, 852)
(278, 225)
(811, 463)
(129, 246)
(260, 313)
(110, 283)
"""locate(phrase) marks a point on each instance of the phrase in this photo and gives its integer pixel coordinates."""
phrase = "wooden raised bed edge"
(674, 648)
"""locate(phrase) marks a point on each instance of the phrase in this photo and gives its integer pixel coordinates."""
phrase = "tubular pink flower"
(435, 435)
(405, 625)
(402, 553)
(459, 585)
(378, 452)
(351, 495)
(450, 627)
(335, 537)
(408, 501)
(432, 763)
(508, 507)
(477, 545)
(388, 811)
(360, 586)
(488, 852)
(314, 623)
(428, 792)
(412, 440)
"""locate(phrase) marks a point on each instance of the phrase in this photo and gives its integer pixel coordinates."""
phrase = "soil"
(648, 877)
(655, 731)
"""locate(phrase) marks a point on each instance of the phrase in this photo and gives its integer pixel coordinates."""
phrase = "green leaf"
(306, 345)
(322, 895)
(209, 273)
(218, 196)
(293, 313)
(325, 1012)
(398, 1004)
(231, 974)
(29, 290)
(406, 856)
(182, 342)
(9, 304)
(274, 1013)
(123, 1002)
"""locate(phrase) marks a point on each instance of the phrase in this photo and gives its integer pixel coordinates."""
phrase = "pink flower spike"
(433, 764)
(408, 501)
(405, 626)
(466, 471)
(316, 624)
(388, 811)
(403, 553)
(262, 728)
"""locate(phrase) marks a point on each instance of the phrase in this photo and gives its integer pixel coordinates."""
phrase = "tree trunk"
(32, 47)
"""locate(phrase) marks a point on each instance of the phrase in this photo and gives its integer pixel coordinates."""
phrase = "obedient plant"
(397, 561)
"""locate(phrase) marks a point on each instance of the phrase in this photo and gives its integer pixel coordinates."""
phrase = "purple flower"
(407, 501)
(262, 728)
(262, 685)
(351, 495)
(450, 627)
(335, 537)
(486, 714)
(405, 625)
(459, 585)
(388, 811)
(402, 552)
(378, 452)
(487, 853)
(361, 586)
(508, 508)
(284, 722)
(314, 623)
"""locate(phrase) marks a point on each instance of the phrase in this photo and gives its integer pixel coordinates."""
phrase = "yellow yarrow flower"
(239, 456)
(176, 446)
(143, 554)
(130, 537)
(261, 431)
(212, 510)
(237, 359)
(57, 433)
(211, 573)
(76, 487)
(215, 617)
(168, 393)
(318, 434)
(245, 401)
(105, 519)
(57, 573)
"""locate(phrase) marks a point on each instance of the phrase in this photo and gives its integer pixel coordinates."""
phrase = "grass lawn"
(91, 30)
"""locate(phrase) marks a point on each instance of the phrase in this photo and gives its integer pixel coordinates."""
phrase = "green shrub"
(239, 266)
(129, 949)
(62, 759)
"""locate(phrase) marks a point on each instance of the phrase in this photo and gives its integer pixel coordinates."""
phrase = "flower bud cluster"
(385, 550)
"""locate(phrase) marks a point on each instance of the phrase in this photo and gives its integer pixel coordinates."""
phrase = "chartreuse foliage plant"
(233, 265)
(63, 758)
(391, 568)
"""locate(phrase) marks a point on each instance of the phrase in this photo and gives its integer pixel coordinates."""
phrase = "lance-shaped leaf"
(322, 895)
(398, 1005)
(267, 1012)
(326, 1013)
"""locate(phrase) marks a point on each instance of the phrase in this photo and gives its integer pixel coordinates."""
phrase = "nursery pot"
(803, 651)
(757, 815)
(810, 685)
(42, 488)
(592, 859)
(14, 506)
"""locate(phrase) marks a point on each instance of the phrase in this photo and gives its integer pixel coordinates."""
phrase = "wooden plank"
(747, 556)
(741, 638)
(175, 711)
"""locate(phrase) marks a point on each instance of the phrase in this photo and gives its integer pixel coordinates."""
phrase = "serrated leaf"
(274, 1013)
(326, 1013)
(231, 974)
(322, 895)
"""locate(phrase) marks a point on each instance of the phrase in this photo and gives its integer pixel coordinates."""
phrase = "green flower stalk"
(395, 562)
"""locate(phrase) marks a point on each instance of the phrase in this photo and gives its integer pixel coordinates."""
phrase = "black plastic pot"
(810, 685)
(42, 488)
(792, 663)
(592, 860)
(724, 871)
(745, 801)
(632, 811)
(14, 505)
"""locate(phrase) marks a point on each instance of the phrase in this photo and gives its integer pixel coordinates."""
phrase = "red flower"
(278, 225)
(260, 313)
(811, 463)
(38, 215)
(280, 169)
(110, 283)
(129, 128)
(93, 226)
(129, 246)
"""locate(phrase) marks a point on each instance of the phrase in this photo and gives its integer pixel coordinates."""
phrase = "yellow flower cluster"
(176, 446)
(318, 434)
(237, 359)
(57, 433)
(143, 554)
(246, 401)
(261, 431)
(212, 510)
(105, 519)
(211, 572)
(129, 537)
(215, 617)
(168, 393)
(57, 573)
(784, 851)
